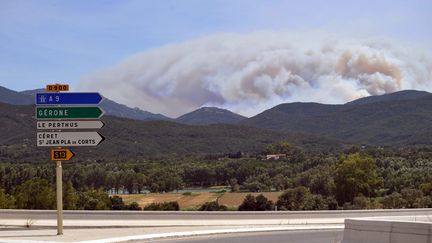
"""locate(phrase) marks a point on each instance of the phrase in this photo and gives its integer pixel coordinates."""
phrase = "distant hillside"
(396, 96)
(210, 115)
(114, 109)
(13, 97)
(109, 106)
(402, 118)
(398, 119)
(128, 139)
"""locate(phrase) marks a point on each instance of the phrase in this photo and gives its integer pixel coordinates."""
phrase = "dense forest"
(356, 178)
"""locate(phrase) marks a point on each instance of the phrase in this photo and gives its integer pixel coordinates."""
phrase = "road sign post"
(79, 112)
(61, 154)
(56, 118)
(68, 139)
(68, 98)
(57, 87)
(59, 192)
(69, 125)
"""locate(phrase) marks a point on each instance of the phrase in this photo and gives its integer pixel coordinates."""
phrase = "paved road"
(269, 237)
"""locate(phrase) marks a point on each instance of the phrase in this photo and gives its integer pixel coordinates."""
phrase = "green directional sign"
(68, 112)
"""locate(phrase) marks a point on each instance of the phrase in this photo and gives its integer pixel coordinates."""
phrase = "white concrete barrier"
(386, 231)
(107, 219)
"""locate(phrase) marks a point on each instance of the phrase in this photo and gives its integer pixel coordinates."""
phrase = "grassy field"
(195, 200)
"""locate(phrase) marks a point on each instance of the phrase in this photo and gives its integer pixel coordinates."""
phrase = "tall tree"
(356, 174)
(70, 196)
(35, 194)
(294, 199)
(6, 201)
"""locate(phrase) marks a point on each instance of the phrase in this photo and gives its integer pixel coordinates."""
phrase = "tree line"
(355, 179)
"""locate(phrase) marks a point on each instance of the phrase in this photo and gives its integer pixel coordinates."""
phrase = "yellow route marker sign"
(61, 154)
(57, 87)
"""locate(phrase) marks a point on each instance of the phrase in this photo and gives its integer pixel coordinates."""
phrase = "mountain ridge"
(13, 97)
(399, 118)
(127, 139)
(392, 119)
(395, 96)
(210, 115)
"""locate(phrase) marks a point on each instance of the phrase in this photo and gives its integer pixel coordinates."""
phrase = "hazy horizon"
(229, 109)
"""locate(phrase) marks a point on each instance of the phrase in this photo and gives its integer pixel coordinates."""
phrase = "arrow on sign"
(61, 154)
(68, 139)
(68, 112)
(55, 125)
(68, 98)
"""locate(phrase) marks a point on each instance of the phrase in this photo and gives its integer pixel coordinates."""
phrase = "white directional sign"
(68, 139)
(63, 125)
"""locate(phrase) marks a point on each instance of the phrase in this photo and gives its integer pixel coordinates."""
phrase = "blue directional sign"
(68, 98)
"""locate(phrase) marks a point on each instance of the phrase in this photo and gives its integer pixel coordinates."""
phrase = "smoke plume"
(248, 73)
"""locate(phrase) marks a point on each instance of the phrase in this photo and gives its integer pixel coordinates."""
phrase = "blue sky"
(60, 41)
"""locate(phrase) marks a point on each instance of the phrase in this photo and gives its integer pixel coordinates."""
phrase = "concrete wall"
(223, 215)
(386, 231)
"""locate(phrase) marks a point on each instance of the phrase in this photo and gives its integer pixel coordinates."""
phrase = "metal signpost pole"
(59, 192)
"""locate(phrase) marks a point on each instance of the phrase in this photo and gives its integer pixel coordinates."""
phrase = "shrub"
(92, 199)
(134, 207)
(213, 206)
(6, 201)
(360, 202)
(259, 203)
(300, 198)
(393, 200)
(412, 197)
(294, 199)
(117, 203)
(165, 206)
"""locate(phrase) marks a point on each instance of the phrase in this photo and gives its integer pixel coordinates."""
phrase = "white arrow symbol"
(69, 125)
(68, 139)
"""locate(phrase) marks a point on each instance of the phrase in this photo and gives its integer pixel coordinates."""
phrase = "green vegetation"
(213, 206)
(353, 179)
(118, 204)
(146, 140)
(356, 175)
(316, 172)
(259, 203)
(35, 194)
(399, 119)
(93, 199)
(165, 206)
(300, 198)
(6, 201)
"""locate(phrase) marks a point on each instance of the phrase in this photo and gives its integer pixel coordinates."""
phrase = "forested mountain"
(13, 97)
(210, 115)
(397, 119)
(114, 109)
(396, 96)
(401, 118)
(131, 139)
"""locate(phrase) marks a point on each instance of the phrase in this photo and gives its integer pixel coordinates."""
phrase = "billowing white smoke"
(248, 73)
